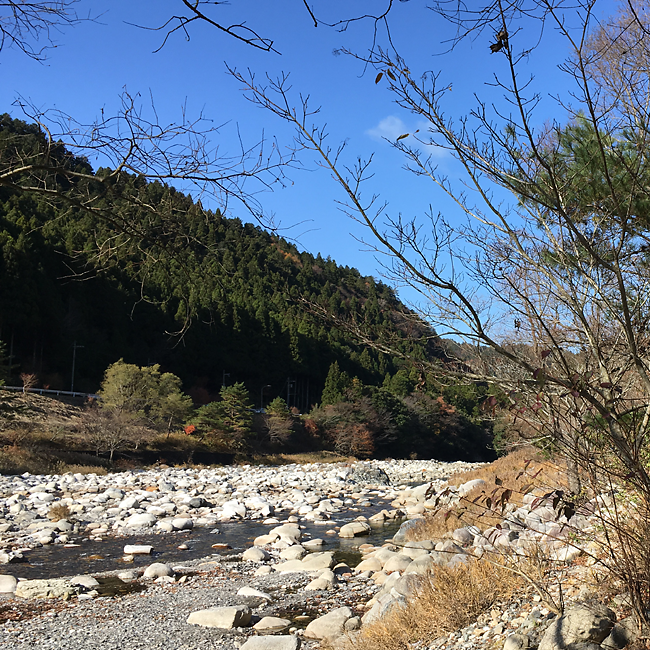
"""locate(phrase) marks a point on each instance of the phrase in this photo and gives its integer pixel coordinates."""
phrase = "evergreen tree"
(228, 281)
(336, 384)
(278, 407)
(227, 423)
(278, 421)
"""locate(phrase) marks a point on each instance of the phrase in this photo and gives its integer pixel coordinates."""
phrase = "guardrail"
(49, 391)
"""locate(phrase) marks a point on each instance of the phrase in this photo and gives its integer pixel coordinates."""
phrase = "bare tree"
(553, 282)
(134, 143)
(109, 430)
(29, 381)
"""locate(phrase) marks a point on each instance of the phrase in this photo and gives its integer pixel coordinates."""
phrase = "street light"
(262, 395)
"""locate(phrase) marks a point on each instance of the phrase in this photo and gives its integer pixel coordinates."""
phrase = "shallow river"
(92, 557)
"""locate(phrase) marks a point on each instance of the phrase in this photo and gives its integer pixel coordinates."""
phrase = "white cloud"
(390, 127)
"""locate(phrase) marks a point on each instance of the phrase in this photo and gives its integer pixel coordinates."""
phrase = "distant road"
(48, 391)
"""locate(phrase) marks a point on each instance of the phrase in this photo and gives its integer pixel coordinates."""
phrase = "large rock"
(250, 592)
(623, 633)
(464, 536)
(413, 553)
(141, 520)
(295, 552)
(420, 492)
(7, 584)
(183, 523)
(384, 554)
(311, 562)
(138, 549)
(354, 529)
(271, 624)
(56, 588)
(516, 642)
(288, 533)
(447, 546)
(565, 554)
(255, 554)
(272, 643)
(367, 474)
(88, 582)
(221, 617)
(313, 544)
(326, 580)
(404, 530)
(466, 488)
(369, 564)
(421, 566)
(11, 557)
(329, 627)
(384, 605)
(158, 570)
(584, 623)
(397, 563)
(318, 561)
(409, 585)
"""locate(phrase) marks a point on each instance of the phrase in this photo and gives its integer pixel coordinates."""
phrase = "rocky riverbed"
(43, 510)
(286, 590)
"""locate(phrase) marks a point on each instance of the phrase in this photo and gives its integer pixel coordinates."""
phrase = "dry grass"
(175, 441)
(448, 601)
(75, 468)
(303, 458)
(59, 511)
(15, 459)
(519, 472)
(31, 408)
(547, 473)
(34, 458)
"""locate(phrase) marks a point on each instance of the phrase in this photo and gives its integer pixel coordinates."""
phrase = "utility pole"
(291, 384)
(74, 359)
(11, 350)
(223, 379)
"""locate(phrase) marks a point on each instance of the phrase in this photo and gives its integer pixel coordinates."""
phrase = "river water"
(93, 556)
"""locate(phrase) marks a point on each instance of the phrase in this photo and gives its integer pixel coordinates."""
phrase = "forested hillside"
(162, 280)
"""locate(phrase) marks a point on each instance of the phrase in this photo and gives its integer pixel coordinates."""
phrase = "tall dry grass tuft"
(448, 600)
(59, 511)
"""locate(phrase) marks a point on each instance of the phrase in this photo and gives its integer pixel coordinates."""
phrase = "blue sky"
(95, 61)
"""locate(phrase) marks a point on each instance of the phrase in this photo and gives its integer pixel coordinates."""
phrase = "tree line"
(144, 407)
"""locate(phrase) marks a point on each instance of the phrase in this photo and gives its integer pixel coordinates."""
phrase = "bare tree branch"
(25, 25)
